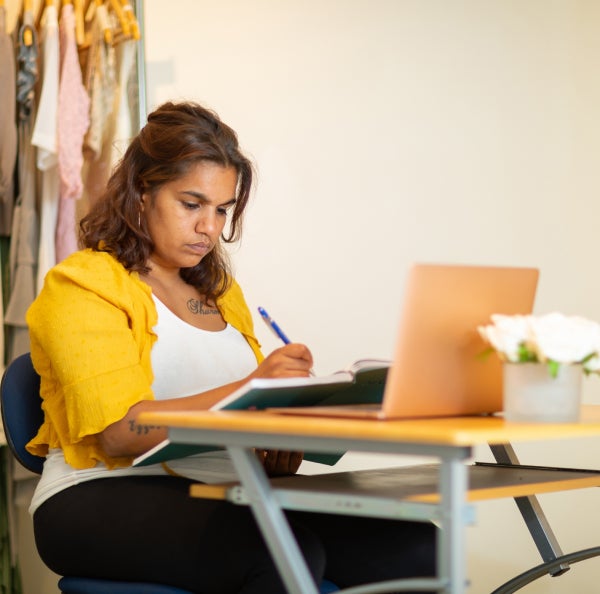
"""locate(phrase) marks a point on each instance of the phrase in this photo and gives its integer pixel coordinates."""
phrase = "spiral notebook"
(438, 369)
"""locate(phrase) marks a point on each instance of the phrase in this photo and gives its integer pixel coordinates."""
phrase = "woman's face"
(185, 217)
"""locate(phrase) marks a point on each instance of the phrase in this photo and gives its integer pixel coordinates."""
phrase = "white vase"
(531, 394)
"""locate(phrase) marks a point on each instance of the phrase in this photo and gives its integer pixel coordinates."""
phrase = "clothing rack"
(123, 35)
(127, 17)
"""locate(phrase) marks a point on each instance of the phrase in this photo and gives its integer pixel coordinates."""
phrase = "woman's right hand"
(291, 360)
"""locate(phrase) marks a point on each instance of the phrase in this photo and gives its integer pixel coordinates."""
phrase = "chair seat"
(77, 585)
(327, 587)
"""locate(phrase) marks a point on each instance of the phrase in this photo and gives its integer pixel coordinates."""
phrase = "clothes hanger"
(130, 14)
(27, 34)
(123, 19)
(79, 24)
(98, 9)
(40, 10)
(78, 14)
(13, 10)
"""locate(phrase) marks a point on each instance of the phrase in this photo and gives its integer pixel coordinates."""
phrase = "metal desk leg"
(532, 513)
(273, 523)
(451, 539)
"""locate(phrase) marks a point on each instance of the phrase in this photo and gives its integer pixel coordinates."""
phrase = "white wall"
(393, 131)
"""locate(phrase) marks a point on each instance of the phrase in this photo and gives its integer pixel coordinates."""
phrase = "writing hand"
(292, 360)
(279, 462)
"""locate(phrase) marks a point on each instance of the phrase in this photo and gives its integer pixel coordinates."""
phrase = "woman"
(148, 317)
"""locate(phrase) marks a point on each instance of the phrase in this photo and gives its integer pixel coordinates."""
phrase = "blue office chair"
(22, 415)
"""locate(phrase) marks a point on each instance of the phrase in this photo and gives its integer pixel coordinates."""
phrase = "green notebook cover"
(362, 383)
(166, 451)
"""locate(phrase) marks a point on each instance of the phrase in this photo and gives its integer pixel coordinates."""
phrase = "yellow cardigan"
(91, 331)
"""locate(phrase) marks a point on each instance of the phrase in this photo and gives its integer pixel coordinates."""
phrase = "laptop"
(437, 368)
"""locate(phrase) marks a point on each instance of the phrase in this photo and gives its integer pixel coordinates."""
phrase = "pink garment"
(73, 122)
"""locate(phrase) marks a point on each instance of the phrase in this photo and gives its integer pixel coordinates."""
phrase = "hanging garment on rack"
(73, 121)
(1, 338)
(23, 249)
(24, 236)
(117, 128)
(45, 139)
(126, 53)
(101, 84)
(27, 72)
(8, 128)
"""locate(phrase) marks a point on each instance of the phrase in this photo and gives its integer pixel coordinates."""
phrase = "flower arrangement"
(554, 339)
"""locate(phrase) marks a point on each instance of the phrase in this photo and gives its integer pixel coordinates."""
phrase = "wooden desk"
(449, 439)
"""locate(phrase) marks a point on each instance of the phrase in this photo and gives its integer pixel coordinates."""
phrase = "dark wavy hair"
(176, 137)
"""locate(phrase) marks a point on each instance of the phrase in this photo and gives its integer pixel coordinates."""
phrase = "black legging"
(150, 529)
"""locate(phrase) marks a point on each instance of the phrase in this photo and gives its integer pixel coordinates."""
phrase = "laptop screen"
(437, 367)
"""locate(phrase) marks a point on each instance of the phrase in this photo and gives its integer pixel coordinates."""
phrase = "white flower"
(563, 339)
(506, 334)
(552, 338)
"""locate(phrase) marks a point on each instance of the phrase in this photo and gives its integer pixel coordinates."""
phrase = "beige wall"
(392, 131)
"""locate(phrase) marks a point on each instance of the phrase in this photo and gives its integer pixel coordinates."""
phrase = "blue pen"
(269, 321)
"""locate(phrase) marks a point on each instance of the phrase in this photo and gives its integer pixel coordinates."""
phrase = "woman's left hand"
(279, 462)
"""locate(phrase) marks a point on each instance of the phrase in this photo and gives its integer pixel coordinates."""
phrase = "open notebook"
(437, 368)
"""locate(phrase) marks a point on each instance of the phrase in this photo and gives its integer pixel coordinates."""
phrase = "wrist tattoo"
(196, 306)
(139, 429)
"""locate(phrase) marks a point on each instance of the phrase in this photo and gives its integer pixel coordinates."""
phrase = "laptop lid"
(437, 367)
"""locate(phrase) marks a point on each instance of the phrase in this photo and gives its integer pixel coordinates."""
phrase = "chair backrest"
(21, 407)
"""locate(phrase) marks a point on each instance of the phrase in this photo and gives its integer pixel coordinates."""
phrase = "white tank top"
(185, 361)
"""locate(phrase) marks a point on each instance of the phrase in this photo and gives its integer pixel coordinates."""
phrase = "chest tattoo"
(196, 306)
